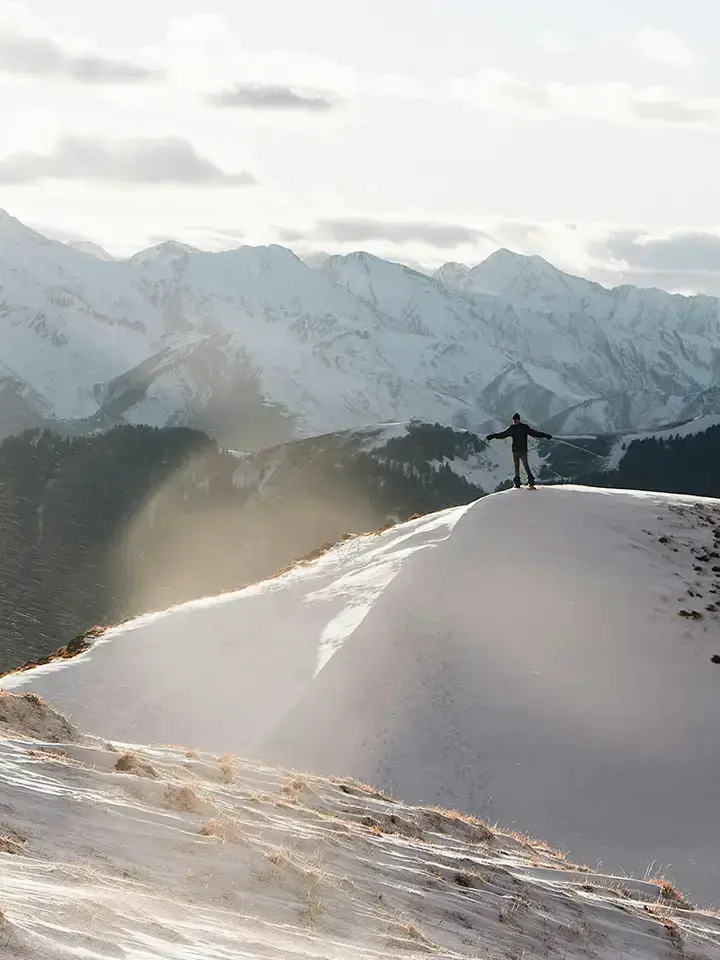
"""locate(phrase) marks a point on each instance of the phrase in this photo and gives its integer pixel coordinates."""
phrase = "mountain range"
(257, 347)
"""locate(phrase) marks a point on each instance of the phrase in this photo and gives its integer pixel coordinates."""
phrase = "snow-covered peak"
(9, 223)
(452, 274)
(163, 253)
(13, 233)
(414, 303)
(505, 273)
(271, 256)
(315, 258)
(359, 262)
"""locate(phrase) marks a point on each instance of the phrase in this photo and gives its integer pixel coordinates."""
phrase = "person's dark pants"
(520, 456)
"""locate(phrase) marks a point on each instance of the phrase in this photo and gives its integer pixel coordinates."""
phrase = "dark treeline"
(64, 507)
(670, 465)
(98, 528)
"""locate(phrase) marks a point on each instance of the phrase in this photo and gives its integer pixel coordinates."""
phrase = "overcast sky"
(421, 130)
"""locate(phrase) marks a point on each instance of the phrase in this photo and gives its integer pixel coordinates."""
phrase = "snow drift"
(541, 659)
(162, 852)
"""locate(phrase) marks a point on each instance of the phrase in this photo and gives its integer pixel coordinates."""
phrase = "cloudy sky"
(421, 130)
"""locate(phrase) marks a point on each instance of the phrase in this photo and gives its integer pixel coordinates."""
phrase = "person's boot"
(516, 481)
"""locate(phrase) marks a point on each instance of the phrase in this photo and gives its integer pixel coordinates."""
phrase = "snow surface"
(521, 658)
(173, 332)
(160, 852)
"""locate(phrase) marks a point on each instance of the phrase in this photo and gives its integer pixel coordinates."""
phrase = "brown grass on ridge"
(77, 645)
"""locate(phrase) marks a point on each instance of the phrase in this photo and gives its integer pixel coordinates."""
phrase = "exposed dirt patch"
(26, 715)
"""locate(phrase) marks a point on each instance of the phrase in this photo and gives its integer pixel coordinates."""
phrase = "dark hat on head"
(516, 416)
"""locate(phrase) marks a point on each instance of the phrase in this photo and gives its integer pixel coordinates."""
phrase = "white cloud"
(354, 230)
(615, 102)
(27, 50)
(554, 41)
(202, 53)
(664, 47)
(136, 160)
(683, 260)
(265, 96)
(328, 176)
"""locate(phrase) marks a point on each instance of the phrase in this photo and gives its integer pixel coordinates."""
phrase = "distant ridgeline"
(98, 528)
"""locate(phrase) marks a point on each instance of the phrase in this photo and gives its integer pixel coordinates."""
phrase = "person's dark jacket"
(519, 433)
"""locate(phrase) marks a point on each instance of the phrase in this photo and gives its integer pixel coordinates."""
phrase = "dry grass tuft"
(510, 910)
(440, 819)
(313, 907)
(34, 719)
(129, 763)
(58, 756)
(228, 766)
(224, 829)
(670, 893)
(539, 846)
(11, 846)
(181, 798)
(468, 880)
(416, 935)
(392, 825)
(74, 648)
(673, 932)
(355, 788)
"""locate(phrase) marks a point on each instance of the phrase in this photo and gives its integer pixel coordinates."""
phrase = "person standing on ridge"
(519, 432)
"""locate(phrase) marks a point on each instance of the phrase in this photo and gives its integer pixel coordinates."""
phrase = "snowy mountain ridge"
(258, 347)
(405, 659)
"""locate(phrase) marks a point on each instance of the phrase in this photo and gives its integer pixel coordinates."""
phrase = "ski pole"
(576, 447)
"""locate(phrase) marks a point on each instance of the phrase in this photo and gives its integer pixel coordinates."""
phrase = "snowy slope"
(543, 660)
(257, 346)
(158, 853)
(613, 413)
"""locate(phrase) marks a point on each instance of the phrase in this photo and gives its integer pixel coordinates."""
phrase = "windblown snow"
(159, 853)
(543, 660)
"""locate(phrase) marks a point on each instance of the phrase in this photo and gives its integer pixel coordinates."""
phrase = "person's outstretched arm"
(499, 436)
(539, 434)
